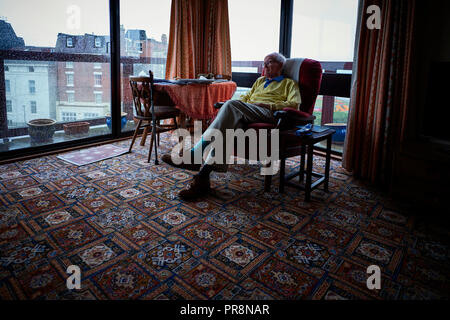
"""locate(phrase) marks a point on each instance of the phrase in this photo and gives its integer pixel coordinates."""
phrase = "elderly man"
(268, 94)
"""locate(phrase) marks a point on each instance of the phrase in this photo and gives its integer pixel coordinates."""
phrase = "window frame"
(115, 90)
(96, 44)
(70, 93)
(70, 75)
(98, 79)
(96, 95)
(32, 88)
(33, 107)
(9, 106)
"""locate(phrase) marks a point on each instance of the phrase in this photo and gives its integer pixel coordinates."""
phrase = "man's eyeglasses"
(265, 64)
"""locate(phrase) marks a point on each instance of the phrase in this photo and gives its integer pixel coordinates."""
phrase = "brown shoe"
(167, 158)
(197, 187)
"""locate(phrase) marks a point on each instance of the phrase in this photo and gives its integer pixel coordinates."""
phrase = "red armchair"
(308, 74)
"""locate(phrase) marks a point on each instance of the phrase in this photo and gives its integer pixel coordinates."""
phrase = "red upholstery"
(297, 113)
(261, 126)
(310, 78)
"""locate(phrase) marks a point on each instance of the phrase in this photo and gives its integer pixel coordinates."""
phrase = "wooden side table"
(292, 146)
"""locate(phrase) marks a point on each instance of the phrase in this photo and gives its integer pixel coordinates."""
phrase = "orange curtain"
(381, 91)
(199, 39)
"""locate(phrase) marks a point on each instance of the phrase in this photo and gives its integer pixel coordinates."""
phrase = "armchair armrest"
(288, 118)
(218, 105)
(297, 113)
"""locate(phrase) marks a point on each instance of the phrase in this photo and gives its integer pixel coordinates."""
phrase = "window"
(90, 115)
(70, 96)
(254, 32)
(32, 86)
(10, 122)
(144, 20)
(8, 106)
(331, 29)
(98, 79)
(69, 79)
(139, 46)
(33, 106)
(98, 97)
(98, 42)
(330, 38)
(69, 116)
(54, 72)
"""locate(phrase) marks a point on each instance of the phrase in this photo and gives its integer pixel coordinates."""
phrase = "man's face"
(272, 68)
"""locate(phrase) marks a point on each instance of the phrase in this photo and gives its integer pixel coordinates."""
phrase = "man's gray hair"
(278, 57)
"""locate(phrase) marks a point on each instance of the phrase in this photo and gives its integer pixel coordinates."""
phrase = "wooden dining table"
(195, 100)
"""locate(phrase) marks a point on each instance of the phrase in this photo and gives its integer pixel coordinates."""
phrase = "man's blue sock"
(200, 144)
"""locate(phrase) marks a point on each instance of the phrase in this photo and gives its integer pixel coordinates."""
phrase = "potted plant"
(341, 130)
(76, 128)
(123, 120)
(41, 130)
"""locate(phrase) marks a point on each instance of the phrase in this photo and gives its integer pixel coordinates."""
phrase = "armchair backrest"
(308, 74)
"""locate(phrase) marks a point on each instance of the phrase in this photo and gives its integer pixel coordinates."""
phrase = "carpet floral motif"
(120, 220)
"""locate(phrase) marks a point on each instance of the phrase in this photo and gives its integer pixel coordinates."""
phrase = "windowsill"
(59, 136)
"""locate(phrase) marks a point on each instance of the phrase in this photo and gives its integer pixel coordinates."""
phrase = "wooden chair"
(149, 115)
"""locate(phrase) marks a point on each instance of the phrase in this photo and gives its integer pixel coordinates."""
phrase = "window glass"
(70, 96)
(98, 79)
(8, 106)
(75, 31)
(144, 35)
(33, 107)
(254, 32)
(324, 30)
(98, 97)
(32, 86)
(69, 78)
(98, 42)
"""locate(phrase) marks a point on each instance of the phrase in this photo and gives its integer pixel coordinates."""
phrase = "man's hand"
(263, 105)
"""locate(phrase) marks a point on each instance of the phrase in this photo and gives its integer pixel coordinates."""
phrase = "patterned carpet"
(120, 221)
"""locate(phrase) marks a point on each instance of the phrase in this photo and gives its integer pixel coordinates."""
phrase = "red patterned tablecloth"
(197, 100)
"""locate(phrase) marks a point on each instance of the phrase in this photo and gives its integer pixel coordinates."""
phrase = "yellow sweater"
(279, 95)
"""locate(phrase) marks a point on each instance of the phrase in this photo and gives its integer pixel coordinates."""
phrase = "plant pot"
(341, 130)
(76, 128)
(41, 130)
(123, 120)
